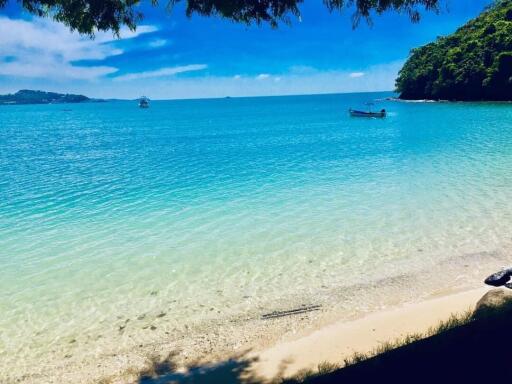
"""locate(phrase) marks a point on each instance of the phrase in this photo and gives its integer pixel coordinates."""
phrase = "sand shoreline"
(334, 332)
(330, 342)
(335, 342)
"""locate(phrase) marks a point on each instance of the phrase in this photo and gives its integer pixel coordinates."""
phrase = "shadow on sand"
(232, 371)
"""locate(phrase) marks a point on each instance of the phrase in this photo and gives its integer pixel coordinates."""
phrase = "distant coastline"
(443, 101)
(27, 96)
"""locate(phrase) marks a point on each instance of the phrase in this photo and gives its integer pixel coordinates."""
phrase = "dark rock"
(499, 278)
(492, 302)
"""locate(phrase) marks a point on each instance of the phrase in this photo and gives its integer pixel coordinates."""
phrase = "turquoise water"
(215, 208)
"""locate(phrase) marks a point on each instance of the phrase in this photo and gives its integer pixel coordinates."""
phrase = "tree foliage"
(474, 63)
(88, 16)
(26, 96)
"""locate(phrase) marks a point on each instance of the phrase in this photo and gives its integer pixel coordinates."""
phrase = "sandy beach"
(304, 349)
(335, 342)
(281, 346)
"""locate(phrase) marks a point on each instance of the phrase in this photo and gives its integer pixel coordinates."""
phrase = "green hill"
(26, 96)
(474, 63)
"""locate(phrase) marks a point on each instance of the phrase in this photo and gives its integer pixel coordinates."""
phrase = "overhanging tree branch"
(89, 16)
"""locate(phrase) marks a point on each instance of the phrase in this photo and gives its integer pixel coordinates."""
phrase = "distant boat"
(356, 113)
(143, 102)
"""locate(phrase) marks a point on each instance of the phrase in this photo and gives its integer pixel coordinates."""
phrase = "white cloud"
(354, 75)
(262, 76)
(237, 77)
(157, 43)
(376, 78)
(126, 33)
(47, 69)
(162, 72)
(45, 49)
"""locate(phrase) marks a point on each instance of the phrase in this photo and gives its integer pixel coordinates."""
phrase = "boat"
(355, 113)
(143, 102)
(370, 113)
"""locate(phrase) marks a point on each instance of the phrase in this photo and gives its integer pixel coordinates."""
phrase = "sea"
(121, 226)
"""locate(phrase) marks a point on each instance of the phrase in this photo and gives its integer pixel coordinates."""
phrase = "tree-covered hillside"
(475, 63)
(26, 96)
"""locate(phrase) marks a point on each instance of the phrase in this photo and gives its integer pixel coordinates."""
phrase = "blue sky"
(172, 56)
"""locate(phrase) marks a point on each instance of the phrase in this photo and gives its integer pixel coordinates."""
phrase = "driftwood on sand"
(296, 311)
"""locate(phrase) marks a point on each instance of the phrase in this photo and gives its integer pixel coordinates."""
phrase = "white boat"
(143, 102)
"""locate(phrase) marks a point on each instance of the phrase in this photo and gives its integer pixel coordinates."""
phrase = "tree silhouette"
(89, 16)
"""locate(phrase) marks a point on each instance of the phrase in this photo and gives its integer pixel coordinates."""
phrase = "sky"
(171, 56)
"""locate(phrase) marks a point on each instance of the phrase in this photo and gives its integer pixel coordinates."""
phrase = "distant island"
(474, 63)
(26, 96)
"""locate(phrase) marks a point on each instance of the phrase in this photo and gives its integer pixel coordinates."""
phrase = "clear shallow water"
(207, 209)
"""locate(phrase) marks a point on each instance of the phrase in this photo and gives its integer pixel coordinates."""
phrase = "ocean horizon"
(387, 93)
(122, 228)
